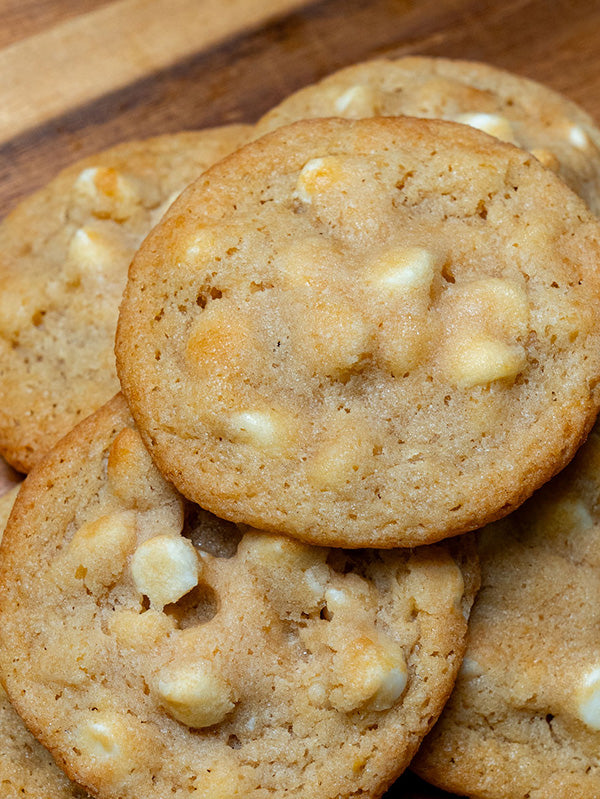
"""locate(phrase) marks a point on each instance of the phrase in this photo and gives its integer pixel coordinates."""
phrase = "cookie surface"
(515, 109)
(159, 651)
(64, 254)
(365, 333)
(524, 719)
(27, 770)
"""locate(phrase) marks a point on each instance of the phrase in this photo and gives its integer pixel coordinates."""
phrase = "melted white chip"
(589, 700)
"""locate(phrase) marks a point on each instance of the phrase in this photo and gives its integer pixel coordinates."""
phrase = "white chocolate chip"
(337, 599)
(318, 175)
(357, 101)
(90, 251)
(578, 137)
(164, 568)
(479, 360)
(370, 671)
(266, 430)
(470, 668)
(98, 551)
(140, 631)
(110, 741)
(402, 270)
(110, 193)
(199, 249)
(194, 694)
(98, 740)
(292, 574)
(492, 124)
(588, 700)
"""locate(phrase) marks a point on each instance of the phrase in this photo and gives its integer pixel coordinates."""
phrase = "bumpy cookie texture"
(524, 719)
(27, 771)
(159, 651)
(515, 109)
(64, 254)
(365, 333)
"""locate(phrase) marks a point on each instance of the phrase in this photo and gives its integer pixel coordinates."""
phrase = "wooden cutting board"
(78, 77)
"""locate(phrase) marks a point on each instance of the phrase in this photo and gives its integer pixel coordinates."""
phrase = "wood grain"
(111, 47)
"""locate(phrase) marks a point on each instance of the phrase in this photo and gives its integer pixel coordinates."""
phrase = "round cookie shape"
(513, 108)
(524, 717)
(26, 768)
(267, 666)
(64, 254)
(365, 333)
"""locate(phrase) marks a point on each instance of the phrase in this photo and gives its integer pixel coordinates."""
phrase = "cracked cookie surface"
(365, 333)
(64, 254)
(157, 650)
(513, 108)
(524, 718)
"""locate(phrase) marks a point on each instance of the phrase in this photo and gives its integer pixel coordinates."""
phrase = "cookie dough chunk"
(64, 254)
(160, 651)
(512, 108)
(26, 769)
(366, 333)
(524, 719)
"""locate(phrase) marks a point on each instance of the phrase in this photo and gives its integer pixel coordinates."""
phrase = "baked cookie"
(64, 254)
(365, 333)
(159, 651)
(556, 130)
(524, 719)
(27, 771)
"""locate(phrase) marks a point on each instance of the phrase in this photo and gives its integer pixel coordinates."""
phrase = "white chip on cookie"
(164, 568)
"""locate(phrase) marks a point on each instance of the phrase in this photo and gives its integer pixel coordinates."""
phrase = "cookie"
(556, 130)
(365, 333)
(160, 651)
(524, 719)
(64, 254)
(26, 769)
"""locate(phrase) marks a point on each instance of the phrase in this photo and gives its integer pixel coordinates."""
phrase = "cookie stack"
(346, 345)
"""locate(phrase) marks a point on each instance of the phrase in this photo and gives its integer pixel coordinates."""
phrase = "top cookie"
(64, 254)
(557, 131)
(524, 718)
(159, 651)
(365, 333)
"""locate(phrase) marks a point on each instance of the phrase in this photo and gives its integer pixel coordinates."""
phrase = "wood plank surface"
(77, 77)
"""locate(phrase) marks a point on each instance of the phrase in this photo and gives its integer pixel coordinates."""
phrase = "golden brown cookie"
(27, 771)
(524, 718)
(365, 333)
(159, 651)
(64, 254)
(512, 108)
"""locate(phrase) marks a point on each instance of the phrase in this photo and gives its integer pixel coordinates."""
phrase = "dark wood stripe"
(241, 79)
